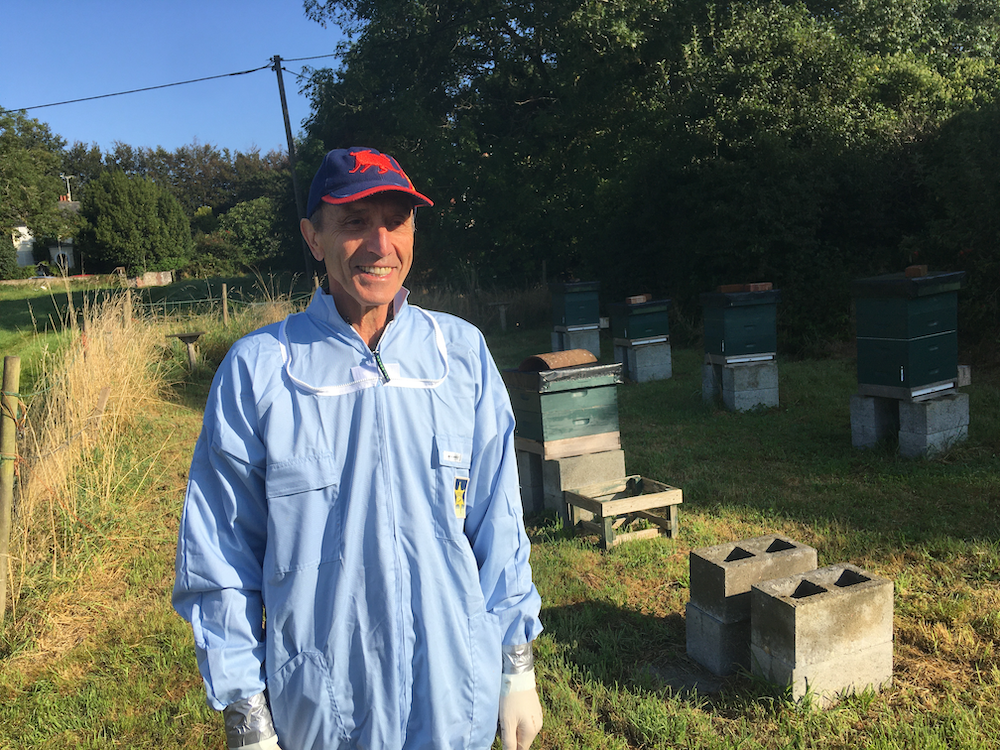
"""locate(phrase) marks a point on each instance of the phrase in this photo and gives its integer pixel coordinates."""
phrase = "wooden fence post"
(225, 306)
(8, 455)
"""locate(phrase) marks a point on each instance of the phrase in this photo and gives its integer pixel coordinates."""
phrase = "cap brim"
(418, 199)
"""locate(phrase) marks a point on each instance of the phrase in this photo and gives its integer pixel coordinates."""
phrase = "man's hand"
(520, 710)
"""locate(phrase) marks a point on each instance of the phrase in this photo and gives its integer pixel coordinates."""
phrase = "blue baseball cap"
(349, 174)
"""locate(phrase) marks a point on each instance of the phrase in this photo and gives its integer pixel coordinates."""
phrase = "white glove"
(271, 743)
(520, 710)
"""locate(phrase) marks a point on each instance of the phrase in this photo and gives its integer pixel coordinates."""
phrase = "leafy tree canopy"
(135, 223)
(30, 184)
(664, 146)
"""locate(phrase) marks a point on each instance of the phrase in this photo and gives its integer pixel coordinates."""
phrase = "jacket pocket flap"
(301, 475)
(450, 450)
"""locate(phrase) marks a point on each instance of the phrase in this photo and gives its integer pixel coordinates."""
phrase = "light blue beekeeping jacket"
(335, 499)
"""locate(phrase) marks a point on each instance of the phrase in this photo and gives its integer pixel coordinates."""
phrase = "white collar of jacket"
(369, 369)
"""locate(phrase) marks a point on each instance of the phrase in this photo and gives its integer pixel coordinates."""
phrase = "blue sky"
(59, 50)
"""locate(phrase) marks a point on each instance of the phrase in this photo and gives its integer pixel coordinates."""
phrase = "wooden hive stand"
(615, 506)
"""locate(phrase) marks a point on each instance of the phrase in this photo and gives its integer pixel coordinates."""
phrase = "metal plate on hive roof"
(560, 371)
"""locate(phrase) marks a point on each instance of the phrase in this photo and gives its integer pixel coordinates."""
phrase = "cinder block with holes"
(643, 362)
(748, 385)
(934, 425)
(718, 614)
(873, 418)
(827, 632)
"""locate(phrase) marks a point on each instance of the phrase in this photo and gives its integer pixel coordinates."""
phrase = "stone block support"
(932, 426)
(873, 418)
(742, 386)
(721, 576)
(711, 382)
(642, 363)
(748, 385)
(827, 632)
(721, 647)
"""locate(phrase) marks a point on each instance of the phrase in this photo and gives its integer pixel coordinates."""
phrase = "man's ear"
(311, 236)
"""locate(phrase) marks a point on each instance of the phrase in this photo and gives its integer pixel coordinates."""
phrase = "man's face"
(367, 248)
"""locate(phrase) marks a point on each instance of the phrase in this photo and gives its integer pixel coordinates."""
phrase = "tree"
(82, 163)
(665, 146)
(135, 223)
(30, 185)
(251, 226)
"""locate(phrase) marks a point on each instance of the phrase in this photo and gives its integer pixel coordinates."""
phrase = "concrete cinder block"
(711, 382)
(873, 418)
(916, 445)
(827, 681)
(642, 363)
(748, 385)
(565, 340)
(718, 615)
(560, 474)
(647, 362)
(932, 426)
(721, 576)
(750, 376)
(529, 473)
(747, 400)
(721, 647)
(935, 414)
(827, 630)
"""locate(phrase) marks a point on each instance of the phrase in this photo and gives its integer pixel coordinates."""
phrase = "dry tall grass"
(106, 372)
(77, 468)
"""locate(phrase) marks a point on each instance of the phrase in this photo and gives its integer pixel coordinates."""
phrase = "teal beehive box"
(639, 321)
(907, 333)
(741, 326)
(575, 305)
(566, 408)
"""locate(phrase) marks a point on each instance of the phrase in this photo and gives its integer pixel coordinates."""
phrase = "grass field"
(93, 656)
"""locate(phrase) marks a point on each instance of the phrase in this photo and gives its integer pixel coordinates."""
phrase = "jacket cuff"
(518, 658)
(248, 721)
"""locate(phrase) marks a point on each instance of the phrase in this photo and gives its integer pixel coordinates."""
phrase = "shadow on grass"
(638, 652)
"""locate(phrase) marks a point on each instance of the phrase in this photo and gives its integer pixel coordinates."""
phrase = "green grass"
(98, 659)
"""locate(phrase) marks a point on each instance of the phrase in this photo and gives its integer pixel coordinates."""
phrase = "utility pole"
(307, 256)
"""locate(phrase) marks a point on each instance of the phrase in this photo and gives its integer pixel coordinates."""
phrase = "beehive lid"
(901, 285)
(562, 371)
(575, 286)
(740, 299)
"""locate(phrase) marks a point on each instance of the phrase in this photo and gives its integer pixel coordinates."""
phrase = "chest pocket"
(452, 459)
(302, 496)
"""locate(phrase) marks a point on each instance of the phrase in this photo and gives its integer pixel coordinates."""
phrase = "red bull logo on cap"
(364, 160)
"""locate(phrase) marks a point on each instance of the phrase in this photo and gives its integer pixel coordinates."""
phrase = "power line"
(147, 88)
(314, 57)
(168, 85)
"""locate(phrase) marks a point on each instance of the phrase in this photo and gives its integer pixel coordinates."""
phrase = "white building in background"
(62, 254)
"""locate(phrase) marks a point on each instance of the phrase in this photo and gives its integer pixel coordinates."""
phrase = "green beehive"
(568, 402)
(641, 320)
(740, 326)
(907, 333)
(575, 305)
